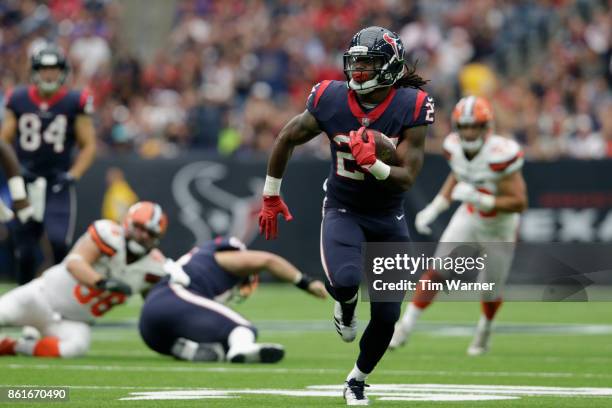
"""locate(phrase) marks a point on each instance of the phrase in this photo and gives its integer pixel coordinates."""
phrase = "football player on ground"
(486, 178)
(364, 196)
(44, 121)
(185, 316)
(106, 265)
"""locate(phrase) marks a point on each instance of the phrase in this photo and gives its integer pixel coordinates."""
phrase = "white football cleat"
(400, 336)
(256, 353)
(354, 393)
(480, 343)
(347, 333)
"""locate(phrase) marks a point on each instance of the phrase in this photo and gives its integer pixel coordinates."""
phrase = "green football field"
(543, 355)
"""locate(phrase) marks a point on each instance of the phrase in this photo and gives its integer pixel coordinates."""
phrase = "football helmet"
(472, 112)
(375, 59)
(48, 56)
(144, 224)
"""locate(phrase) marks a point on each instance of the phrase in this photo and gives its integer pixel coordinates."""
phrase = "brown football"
(385, 149)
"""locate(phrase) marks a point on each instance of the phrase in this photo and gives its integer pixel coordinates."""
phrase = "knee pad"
(347, 275)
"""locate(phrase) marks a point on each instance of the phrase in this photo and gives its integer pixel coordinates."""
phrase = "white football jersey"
(497, 158)
(74, 301)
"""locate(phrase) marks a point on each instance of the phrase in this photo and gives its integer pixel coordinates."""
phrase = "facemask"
(472, 146)
(136, 248)
(48, 86)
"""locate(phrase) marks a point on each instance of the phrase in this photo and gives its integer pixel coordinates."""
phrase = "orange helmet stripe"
(150, 215)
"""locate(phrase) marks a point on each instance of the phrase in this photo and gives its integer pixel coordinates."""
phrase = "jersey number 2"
(30, 136)
(102, 301)
(342, 157)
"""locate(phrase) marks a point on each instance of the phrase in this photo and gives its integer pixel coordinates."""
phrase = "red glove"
(363, 146)
(272, 206)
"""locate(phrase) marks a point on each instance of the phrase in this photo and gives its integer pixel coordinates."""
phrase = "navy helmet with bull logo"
(374, 59)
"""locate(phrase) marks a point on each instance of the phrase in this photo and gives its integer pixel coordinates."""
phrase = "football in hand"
(385, 148)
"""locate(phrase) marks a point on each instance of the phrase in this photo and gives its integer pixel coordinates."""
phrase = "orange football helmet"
(144, 224)
(472, 110)
(473, 120)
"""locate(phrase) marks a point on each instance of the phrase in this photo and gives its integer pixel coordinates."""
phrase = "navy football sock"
(377, 335)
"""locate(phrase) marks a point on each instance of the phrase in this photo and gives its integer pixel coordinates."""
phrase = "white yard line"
(305, 371)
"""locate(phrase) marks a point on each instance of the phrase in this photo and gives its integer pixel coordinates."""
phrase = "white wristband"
(297, 278)
(380, 170)
(486, 202)
(272, 186)
(17, 188)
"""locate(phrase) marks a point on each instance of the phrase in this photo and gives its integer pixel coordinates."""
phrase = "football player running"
(364, 196)
(106, 265)
(185, 316)
(44, 122)
(486, 178)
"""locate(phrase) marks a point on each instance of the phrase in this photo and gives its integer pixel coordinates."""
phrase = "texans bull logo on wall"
(208, 210)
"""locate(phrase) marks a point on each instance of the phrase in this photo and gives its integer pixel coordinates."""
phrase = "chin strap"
(135, 248)
(49, 87)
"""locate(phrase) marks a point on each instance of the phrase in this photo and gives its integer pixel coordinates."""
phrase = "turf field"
(543, 355)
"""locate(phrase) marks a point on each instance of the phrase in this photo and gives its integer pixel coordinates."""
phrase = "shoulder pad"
(450, 145)
(229, 244)
(86, 101)
(107, 235)
(13, 94)
(317, 92)
(320, 100)
(422, 107)
(504, 154)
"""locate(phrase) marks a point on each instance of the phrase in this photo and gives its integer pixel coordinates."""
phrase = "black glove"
(62, 181)
(114, 285)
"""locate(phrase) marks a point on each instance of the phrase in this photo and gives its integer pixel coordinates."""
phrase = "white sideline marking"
(258, 370)
(467, 388)
(206, 393)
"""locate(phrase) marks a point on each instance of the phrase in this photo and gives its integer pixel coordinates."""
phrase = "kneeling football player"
(185, 316)
(106, 265)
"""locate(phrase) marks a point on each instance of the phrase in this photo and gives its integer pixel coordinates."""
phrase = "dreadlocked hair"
(411, 79)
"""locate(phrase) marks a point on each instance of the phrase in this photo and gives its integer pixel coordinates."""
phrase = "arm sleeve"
(422, 112)
(317, 99)
(509, 160)
(86, 103)
(9, 101)
(229, 244)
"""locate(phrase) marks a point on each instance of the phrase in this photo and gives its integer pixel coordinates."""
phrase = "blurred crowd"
(231, 73)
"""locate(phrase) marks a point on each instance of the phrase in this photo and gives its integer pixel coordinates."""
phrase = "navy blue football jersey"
(337, 111)
(45, 127)
(207, 277)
